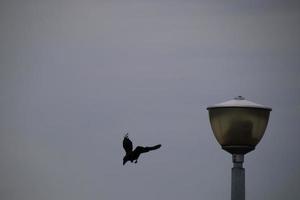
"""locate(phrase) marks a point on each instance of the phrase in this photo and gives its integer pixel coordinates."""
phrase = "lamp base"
(238, 149)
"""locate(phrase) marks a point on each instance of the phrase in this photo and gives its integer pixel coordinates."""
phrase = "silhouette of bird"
(134, 155)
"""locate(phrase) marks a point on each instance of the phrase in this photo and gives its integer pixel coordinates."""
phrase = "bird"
(133, 156)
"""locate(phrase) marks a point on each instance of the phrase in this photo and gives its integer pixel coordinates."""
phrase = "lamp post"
(238, 125)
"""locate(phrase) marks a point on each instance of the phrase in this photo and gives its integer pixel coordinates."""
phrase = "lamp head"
(238, 124)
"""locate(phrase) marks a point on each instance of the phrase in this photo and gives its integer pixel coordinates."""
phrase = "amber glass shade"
(238, 126)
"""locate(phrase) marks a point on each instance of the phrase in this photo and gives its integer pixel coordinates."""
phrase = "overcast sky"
(76, 75)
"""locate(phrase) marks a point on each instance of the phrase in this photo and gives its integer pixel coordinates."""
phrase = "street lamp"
(238, 125)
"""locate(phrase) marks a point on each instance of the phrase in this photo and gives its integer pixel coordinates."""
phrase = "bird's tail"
(153, 147)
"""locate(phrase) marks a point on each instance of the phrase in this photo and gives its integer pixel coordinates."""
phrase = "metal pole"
(237, 178)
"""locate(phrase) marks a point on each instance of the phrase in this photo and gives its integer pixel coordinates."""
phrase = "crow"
(134, 155)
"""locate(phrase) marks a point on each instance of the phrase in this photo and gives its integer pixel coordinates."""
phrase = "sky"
(76, 75)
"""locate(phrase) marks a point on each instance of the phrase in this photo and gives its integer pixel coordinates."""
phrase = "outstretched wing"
(127, 144)
(139, 149)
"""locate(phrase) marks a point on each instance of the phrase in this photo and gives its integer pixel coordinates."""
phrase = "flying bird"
(134, 155)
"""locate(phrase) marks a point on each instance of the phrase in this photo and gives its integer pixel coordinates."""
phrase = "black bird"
(134, 155)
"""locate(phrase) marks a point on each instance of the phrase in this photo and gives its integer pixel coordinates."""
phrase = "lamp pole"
(238, 126)
(237, 177)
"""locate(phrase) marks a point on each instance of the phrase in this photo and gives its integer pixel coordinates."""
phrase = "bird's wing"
(140, 149)
(127, 144)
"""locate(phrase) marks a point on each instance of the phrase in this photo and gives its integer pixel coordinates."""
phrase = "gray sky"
(76, 75)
